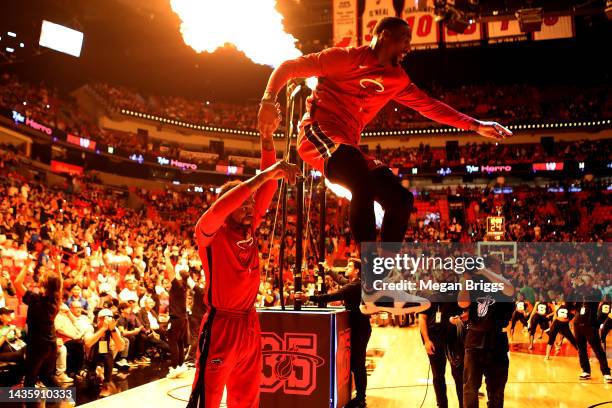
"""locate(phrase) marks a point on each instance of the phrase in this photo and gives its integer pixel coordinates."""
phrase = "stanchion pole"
(322, 222)
(293, 89)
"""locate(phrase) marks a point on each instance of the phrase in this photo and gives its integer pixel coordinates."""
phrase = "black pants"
(177, 340)
(138, 343)
(194, 328)
(75, 355)
(349, 167)
(40, 361)
(360, 335)
(561, 327)
(518, 317)
(607, 326)
(537, 320)
(589, 334)
(493, 364)
(438, 371)
(107, 362)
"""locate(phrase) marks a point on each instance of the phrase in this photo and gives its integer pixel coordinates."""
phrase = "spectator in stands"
(12, 347)
(72, 338)
(131, 328)
(152, 329)
(102, 346)
(76, 295)
(43, 306)
(129, 292)
(6, 286)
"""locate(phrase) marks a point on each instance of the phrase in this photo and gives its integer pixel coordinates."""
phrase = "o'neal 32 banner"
(374, 11)
(345, 23)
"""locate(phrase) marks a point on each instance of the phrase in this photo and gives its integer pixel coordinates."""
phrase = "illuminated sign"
(471, 169)
(444, 171)
(138, 158)
(551, 166)
(495, 169)
(496, 225)
(503, 190)
(81, 141)
(415, 170)
(18, 117)
(61, 167)
(175, 163)
(229, 169)
(37, 126)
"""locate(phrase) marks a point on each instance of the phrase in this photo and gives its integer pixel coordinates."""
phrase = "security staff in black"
(586, 330)
(177, 331)
(486, 343)
(359, 324)
(442, 341)
(604, 319)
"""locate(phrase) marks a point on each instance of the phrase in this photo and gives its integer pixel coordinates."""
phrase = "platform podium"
(305, 358)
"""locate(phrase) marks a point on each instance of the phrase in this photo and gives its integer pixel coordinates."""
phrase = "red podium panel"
(305, 358)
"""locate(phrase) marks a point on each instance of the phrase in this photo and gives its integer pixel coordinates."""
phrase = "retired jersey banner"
(471, 34)
(425, 31)
(506, 30)
(345, 23)
(554, 27)
(374, 11)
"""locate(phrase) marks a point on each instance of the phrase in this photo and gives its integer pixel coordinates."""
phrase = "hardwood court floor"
(399, 371)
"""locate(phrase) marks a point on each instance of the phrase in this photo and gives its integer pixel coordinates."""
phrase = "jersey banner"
(554, 27)
(373, 12)
(345, 23)
(506, 30)
(471, 34)
(425, 29)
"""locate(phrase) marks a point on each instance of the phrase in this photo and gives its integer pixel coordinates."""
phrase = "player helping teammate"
(229, 346)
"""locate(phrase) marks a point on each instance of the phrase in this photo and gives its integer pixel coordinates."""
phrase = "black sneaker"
(585, 376)
(356, 403)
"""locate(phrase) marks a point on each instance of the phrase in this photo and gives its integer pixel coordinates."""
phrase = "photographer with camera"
(103, 345)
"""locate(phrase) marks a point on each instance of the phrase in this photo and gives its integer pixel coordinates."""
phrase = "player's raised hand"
(268, 118)
(493, 130)
(286, 170)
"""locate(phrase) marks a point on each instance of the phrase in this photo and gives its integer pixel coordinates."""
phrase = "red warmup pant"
(229, 355)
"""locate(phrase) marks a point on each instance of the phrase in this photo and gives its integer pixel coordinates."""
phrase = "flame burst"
(254, 27)
(344, 192)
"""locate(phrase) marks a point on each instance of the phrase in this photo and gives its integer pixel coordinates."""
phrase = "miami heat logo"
(290, 363)
(483, 305)
(245, 251)
(377, 82)
(245, 244)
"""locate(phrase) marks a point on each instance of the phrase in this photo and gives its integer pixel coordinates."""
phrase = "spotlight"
(530, 19)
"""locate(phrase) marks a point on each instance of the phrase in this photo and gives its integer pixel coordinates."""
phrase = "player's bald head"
(393, 24)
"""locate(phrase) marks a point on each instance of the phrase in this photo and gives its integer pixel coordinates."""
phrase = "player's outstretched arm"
(264, 195)
(321, 64)
(436, 110)
(215, 216)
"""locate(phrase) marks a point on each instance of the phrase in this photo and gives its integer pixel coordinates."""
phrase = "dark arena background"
(131, 277)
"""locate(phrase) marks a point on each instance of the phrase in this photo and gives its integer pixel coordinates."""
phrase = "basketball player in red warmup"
(229, 346)
(354, 84)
